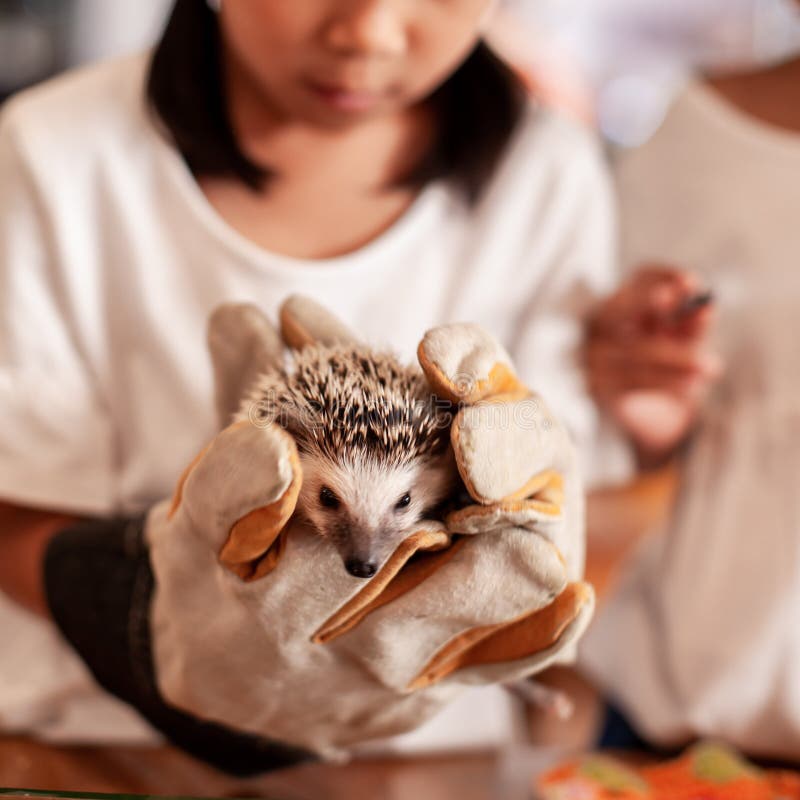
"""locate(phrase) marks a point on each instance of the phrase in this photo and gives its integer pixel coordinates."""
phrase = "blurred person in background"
(702, 636)
(376, 156)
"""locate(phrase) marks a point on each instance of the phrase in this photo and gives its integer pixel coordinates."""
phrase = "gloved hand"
(518, 465)
(254, 625)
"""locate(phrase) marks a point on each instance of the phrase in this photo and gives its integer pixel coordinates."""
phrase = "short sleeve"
(549, 337)
(55, 437)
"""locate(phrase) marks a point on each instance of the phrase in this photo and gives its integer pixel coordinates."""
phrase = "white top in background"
(111, 260)
(703, 638)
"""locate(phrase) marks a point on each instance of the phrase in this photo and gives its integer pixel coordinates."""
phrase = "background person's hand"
(649, 358)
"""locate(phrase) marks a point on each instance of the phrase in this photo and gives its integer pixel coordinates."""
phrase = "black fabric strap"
(99, 585)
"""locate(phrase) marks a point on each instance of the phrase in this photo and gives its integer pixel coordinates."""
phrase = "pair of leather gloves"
(252, 628)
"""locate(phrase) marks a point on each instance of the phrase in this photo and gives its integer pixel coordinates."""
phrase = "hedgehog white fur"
(373, 446)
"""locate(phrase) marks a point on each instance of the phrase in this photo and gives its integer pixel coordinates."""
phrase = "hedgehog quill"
(373, 445)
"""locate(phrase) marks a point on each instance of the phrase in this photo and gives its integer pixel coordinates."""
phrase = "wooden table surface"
(163, 770)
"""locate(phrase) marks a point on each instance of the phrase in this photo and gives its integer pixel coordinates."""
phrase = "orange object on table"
(707, 771)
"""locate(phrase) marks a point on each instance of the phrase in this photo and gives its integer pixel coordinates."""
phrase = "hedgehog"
(373, 443)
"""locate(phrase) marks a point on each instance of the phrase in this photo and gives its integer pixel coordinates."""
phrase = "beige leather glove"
(255, 624)
(518, 465)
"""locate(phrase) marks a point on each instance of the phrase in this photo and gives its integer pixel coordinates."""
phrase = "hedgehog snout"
(361, 550)
(365, 547)
(360, 569)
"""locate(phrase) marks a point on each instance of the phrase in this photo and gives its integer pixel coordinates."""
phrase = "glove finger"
(397, 576)
(304, 322)
(464, 364)
(243, 344)
(504, 447)
(240, 492)
(519, 648)
(555, 511)
(542, 509)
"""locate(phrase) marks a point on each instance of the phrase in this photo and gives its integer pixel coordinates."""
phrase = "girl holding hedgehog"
(375, 155)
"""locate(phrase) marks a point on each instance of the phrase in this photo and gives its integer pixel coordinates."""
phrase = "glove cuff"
(99, 585)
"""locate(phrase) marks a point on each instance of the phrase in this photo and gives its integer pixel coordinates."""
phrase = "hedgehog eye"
(328, 498)
(402, 502)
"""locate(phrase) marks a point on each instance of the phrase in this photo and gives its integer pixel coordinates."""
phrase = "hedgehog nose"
(361, 569)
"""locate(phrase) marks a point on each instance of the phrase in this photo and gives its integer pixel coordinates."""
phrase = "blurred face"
(335, 62)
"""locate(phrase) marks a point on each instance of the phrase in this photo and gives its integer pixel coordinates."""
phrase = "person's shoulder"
(550, 151)
(78, 111)
(546, 135)
(553, 170)
(563, 132)
(550, 202)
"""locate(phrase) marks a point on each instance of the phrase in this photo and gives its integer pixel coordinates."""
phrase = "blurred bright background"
(616, 62)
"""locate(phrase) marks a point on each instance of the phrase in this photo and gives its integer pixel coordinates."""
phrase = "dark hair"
(477, 108)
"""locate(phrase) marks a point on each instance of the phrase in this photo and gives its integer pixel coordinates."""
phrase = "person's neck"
(771, 95)
(375, 152)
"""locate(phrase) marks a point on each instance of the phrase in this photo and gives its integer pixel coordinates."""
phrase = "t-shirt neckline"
(406, 227)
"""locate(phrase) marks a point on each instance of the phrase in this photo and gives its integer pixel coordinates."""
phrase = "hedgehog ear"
(305, 322)
(243, 344)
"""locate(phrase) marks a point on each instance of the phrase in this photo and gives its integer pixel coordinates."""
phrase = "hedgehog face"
(373, 445)
(366, 510)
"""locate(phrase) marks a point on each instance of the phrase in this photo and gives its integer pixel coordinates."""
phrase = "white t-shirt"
(703, 637)
(111, 260)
